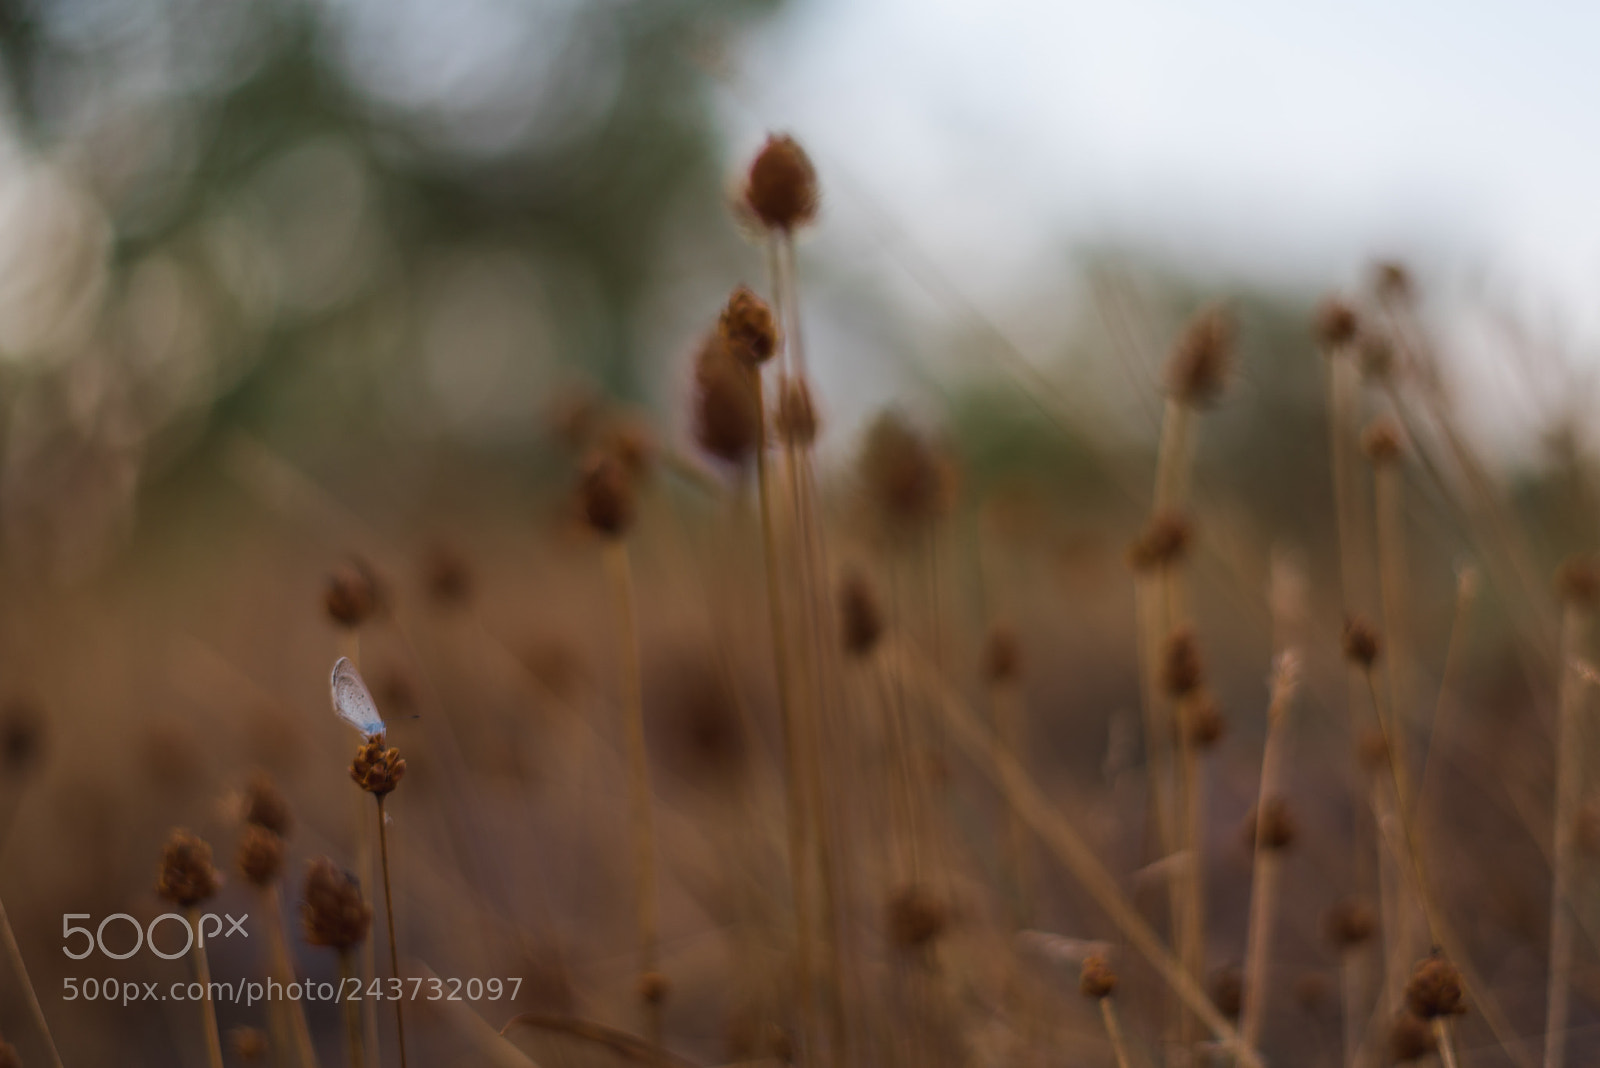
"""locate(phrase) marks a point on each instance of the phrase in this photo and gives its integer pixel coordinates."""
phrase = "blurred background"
(287, 280)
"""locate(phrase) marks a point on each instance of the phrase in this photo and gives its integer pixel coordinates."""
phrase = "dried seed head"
(333, 911)
(265, 806)
(260, 855)
(704, 733)
(1348, 924)
(606, 494)
(1361, 644)
(446, 576)
(1182, 672)
(653, 988)
(1204, 722)
(1435, 989)
(1097, 980)
(1392, 281)
(1002, 654)
(21, 737)
(904, 475)
(187, 877)
(1164, 542)
(1381, 442)
(916, 917)
(747, 328)
(797, 413)
(1376, 355)
(860, 617)
(1410, 1039)
(630, 441)
(1578, 582)
(1275, 830)
(727, 416)
(1202, 358)
(1227, 990)
(377, 770)
(249, 1043)
(353, 594)
(1335, 323)
(782, 187)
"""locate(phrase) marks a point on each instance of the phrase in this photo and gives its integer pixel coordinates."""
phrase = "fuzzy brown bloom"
(187, 877)
(1204, 722)
(1227, 990)
(333, 911)
(1348, 924)
(1410, 1039)
(605, 493)
(727, 415)
(377, 770)
(1002, 654)
(1361, 644)
(249, 1043)
(904, 475)
(797, 414)
(1164, 542)
(1435, 989)
(653, 988)
(1335, 323)
(1381, 442)
(21, 737)
(782, 186)
(1277, 826)
(260, 855)
(353, 594)
(446, 575)
(1392, 281)
(1098, 979)
(1578, 582)
(265, 806)
(704, 733)
(747, 328)
(916, 918)
(1182, 672)
(860, 617)
(1202, 358)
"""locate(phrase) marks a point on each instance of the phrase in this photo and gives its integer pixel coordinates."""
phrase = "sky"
(1288, 143)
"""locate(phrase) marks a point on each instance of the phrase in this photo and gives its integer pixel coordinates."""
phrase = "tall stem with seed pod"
(1264, 876)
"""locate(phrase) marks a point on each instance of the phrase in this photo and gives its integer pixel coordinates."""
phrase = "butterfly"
(351, 701)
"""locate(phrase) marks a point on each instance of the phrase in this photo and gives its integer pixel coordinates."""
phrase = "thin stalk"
(15, 954)
(1005, 698)
(1349, 1005)
(368, 1007)
(641, 813)
(1119, 1046)
(796, 799)
(202, 967)
(278, 950)
(1265, 871)
(352, 1010)
(388, 913)
(1447, 1048)
(1062, 839)
(1569, 771)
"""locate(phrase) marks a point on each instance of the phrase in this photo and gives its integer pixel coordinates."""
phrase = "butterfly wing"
(352, 702)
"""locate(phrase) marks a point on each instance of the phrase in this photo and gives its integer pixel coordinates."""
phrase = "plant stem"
(15, 953)
(388, 913)
(1569, 770)
(1264, 876)
(202, 967)
(1447, 1049)
(641, 814)
(352, 1009)
(1119, 1047)
(278, 948)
